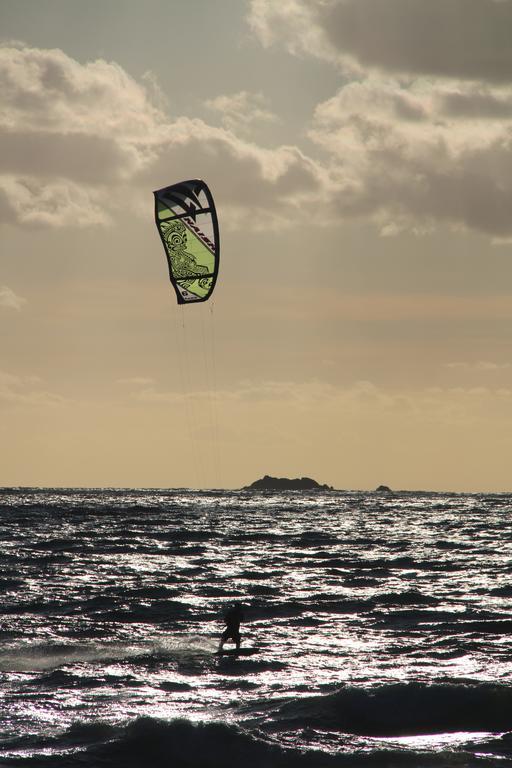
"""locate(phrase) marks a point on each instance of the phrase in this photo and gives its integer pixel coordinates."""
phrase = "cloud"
(32, 201)
(415, 155)
(393, 307)
(296, 23)
(78, 141)
(68, 132)
(362, 404)
(9, 299)
(48, 91)
(77, 156)
(420, 133)
(26, 391)
(240, 110)
(259, 186)
(481, 365)
(138, 381)
(464, 39)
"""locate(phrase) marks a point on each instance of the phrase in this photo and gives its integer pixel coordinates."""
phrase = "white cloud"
(67, 132)
(240, 110)
(260, 186)
(26, 391)
(55, 203)
(9, 299)
(48, 91)
(407, 157)
(77, 141)
(80, 142)
(294, 22)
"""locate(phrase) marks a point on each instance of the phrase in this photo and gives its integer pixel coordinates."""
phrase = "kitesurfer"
(232, 619)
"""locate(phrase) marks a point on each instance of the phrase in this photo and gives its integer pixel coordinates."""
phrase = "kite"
(186, 219)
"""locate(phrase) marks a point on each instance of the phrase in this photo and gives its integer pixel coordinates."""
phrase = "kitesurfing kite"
(187, 222)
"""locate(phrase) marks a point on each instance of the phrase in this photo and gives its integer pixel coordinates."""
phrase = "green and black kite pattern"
(187, 222)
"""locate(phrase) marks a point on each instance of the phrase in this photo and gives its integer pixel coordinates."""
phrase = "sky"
(360, 156)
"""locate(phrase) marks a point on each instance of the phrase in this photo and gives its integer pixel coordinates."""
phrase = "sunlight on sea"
(381, 624)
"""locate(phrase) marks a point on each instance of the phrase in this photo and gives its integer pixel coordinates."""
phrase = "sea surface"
(382, 624)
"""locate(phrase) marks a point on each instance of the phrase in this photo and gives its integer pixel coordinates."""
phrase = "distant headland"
(268, 483)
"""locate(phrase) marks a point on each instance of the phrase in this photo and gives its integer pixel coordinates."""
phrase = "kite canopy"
(187, 221)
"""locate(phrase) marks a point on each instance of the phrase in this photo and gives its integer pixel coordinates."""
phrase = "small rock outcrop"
(383, 489)
(268, 483)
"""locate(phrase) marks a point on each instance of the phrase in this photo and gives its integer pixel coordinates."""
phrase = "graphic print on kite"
(187, 222)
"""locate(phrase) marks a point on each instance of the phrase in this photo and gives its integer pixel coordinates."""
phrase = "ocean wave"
(151, 743)
(408, 597)
(440, 621)
(402, 709)
(65, 679)
(501, 591)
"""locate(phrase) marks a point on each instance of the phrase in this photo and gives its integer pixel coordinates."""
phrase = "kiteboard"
(236, 652)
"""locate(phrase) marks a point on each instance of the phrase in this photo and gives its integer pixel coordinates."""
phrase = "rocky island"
(268, 483)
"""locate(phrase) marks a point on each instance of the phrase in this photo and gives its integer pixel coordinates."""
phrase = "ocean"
(382, 626)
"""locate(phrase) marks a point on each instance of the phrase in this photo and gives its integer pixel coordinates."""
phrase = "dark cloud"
(476, 103)
(467, 39)
(82, 157)
(7, 212)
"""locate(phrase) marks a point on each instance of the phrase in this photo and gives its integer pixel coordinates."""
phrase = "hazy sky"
(360, 153)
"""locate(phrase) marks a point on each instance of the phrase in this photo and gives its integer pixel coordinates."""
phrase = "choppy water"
(383, 626)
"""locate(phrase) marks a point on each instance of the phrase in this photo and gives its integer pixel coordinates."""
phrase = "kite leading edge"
(187, 222)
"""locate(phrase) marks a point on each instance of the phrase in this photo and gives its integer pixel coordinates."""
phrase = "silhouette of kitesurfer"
(232, 619)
